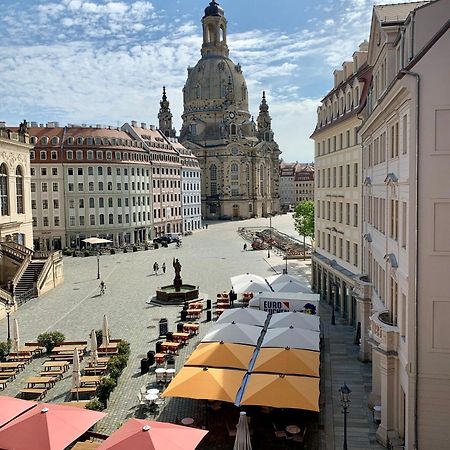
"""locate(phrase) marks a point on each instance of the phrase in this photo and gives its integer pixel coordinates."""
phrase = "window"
(393, 229)
(79, 156)
(111, 219)
(44, 204)
(110, 202)
(80, 187)
(355, 175)
(34, 221)
(70, 171)
(54, 171)
(81, 220)
(54, 155)
(347, 253)
(43, 155)
(19, 190)
(102, 219)
(56, 221)
(101, 202)
(80, 171)
(347, 213)
(100, 185)
(355, 254)
(213, 179)
(347, 175)
(91, 186)
(33, 204)
(71, 203)
(45, 221)
(108, 171)
(55, 187)
(81, 203)
(69, 156)
(43, 171)
(99, 170)
(91, 203)
(404, 223)
(394, 140)
(90, 155)
(92, 219)
(355, 215)
(72, 221)
(405, 134)
(44, 187)
(90, 171)
(55, 203)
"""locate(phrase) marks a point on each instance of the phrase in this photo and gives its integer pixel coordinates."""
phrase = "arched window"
(4, 203)
(233, 129)
(261, 180)
(102, 219)
(222, 34)
(19, 190)
(213, 179)
(111, 219)
(234, 171)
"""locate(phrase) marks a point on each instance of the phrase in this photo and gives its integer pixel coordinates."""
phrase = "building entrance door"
(235, 211)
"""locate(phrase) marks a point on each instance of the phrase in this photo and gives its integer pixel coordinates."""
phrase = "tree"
(304, 221)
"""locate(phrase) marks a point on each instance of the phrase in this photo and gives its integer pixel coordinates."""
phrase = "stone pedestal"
(177, 283)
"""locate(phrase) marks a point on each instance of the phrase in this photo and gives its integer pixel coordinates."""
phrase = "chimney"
(134, 124)
(152, 127)
(143, 125)
(34, 124)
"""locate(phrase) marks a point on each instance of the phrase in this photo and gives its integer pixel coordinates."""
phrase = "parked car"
(168, 238)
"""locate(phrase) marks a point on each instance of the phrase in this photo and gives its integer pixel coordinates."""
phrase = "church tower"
(165, 116)
(264, 121)
(239, 168)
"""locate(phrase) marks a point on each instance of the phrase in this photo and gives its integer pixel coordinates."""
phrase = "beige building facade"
(296, 184)
(406, 203)
(336, 260)
(238, 157)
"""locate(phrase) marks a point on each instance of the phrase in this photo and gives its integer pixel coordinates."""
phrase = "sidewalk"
(340, 365)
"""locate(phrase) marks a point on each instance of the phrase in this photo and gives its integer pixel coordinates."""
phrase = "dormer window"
(44, 140)
(69, 140)
(79, 141)
(55, 140)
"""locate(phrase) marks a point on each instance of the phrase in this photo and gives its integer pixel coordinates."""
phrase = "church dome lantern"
(213, 10)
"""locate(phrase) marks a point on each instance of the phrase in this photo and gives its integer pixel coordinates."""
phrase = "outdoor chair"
(170, 364)
(142, 402)
(279, 433)
(300, 437)
(160, 377)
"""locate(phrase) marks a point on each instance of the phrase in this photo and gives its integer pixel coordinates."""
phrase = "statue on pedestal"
(177, 282)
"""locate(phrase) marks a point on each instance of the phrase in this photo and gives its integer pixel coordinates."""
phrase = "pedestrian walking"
(164, 267)
(206, 225)
(231, 295)
(155, 268)
(245, 247)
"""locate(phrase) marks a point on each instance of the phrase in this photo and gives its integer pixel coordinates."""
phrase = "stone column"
(363, 317)
(388, 365)
(342, 299)
(323, 292)
(350, 304)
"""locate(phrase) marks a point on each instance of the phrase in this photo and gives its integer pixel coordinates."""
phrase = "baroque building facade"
(406, 203)
(238, 157)
(336, 260)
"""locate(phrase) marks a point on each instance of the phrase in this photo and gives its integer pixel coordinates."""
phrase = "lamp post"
(345, 402)
(270, 237)
(98, 265)
(333, 302)
(8, 307)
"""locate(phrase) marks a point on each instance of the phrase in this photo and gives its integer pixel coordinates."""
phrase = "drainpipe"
(416, 254)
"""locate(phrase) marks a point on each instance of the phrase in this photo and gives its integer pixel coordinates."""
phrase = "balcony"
(363, 287)
(383, 333)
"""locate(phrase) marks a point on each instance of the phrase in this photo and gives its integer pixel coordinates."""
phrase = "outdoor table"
(160, 358)
(19, 358)
(194, 313)
(191, 327)
(46, 381)
(58, 365)
(170, 373)
(219, 311)
(112, 346)
(183, 337)
(170, 347)
(223, 305)
(16, 365)
(187, 421)
(69, 347)
(101, 361)
(293, 429)
(160, 370)
(94, 370)
(196, 305)
(153, 391)
(151, 397)
(90, 379)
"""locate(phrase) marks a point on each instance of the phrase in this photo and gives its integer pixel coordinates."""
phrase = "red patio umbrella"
(151, 435)
(48, 426)
(11, 407)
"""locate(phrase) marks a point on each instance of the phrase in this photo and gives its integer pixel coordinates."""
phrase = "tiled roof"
(396, 12)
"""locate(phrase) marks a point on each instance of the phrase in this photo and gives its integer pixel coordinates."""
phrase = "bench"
(35, 348)
(7, 374)
(33, 393)
(58, 374)
(83, 391)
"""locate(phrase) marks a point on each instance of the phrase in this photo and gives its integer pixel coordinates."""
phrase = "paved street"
(209, 258)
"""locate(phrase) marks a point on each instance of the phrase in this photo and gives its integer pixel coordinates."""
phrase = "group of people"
(156, 268)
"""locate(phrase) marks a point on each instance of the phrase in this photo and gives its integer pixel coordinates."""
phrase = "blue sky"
(105, 61)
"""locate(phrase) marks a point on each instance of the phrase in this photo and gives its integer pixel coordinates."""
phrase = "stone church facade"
(238, 157)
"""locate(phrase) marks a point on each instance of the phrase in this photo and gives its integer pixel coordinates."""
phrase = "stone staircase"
(29, 277)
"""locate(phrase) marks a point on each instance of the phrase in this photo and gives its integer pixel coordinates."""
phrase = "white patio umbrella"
(291, 286)
(234, 333)
(105, 332)
(291, 337)
(96, 240)
(282, 278)
(15, 336)
(76, 376)
(296, 319)
(244, 316)
(252, 286)
(245, 278)
(94, 353)
(242, 441)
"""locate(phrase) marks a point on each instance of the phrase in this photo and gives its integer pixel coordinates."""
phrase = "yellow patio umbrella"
(220, 354)
(207, 384)
(282, 391)
(288, 361)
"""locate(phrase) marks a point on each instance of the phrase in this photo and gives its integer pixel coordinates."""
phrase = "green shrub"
(95, 405)
(50, 340)
(67, 251)
(86, 252)
(135, 249)
(123, 348)
(112, 251)
(5, 348)
(105, 388)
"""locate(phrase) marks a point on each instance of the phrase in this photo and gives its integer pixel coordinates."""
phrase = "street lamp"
(98, 264)
(8, 308)
(333, 303)
(345, 402)
(270, 238)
